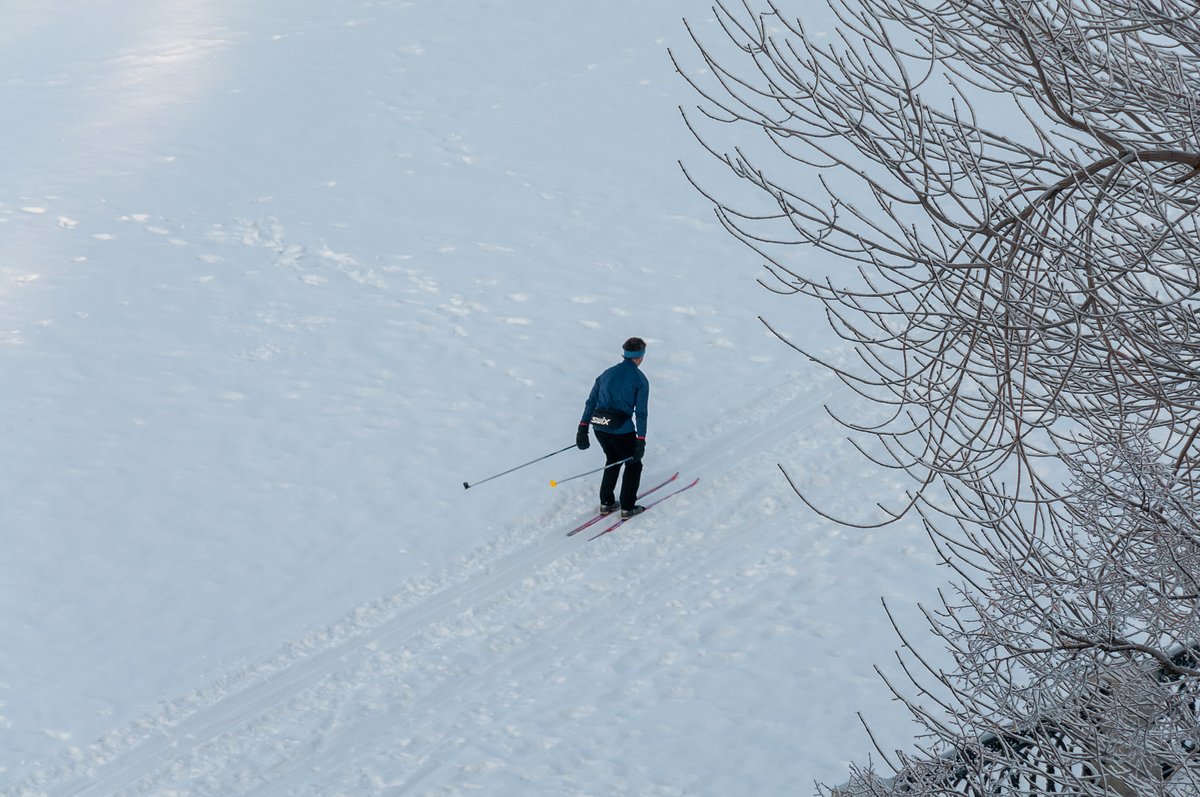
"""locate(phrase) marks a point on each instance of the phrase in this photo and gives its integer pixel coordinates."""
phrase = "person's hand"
(581, 438)
(641, 449)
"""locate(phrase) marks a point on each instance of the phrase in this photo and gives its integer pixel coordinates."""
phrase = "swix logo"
(600, 420)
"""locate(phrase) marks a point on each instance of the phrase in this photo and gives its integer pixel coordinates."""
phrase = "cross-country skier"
(616, 407)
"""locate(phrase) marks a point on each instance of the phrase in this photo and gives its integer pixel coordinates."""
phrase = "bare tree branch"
(1007, 193)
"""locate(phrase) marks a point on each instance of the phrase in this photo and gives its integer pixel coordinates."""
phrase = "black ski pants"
(616, 448)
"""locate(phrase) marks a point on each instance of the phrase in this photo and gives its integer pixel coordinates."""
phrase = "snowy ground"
(275, 278)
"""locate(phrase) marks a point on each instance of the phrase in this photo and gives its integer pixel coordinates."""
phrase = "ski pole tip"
(553, 483)
(466, 486)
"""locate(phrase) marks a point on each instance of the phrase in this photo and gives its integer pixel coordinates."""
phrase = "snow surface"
(275, 279)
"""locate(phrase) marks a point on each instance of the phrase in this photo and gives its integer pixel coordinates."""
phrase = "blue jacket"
(623, 387)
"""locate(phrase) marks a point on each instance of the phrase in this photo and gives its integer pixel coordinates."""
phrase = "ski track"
(315, 708)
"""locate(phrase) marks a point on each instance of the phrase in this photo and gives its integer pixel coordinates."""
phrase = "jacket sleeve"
(589, 406)
(641, 398)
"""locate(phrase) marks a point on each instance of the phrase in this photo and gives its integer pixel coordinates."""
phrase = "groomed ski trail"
(256, 700)
(326, 697)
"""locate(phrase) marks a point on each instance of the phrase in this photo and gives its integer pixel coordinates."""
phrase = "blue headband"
(633, 355)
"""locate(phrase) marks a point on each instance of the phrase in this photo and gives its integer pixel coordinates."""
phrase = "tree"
(1010, 190)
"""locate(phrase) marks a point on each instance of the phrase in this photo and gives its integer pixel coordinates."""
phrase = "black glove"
(641, 450)
(581, 438)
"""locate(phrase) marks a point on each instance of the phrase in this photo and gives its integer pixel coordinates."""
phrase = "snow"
(275, 279)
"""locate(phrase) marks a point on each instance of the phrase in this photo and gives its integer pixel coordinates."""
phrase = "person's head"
(634, 349)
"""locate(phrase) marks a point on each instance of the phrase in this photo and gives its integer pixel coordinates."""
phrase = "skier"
(617, 408)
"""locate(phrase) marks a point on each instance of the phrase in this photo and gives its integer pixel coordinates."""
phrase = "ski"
(684, 488)
(642, 495)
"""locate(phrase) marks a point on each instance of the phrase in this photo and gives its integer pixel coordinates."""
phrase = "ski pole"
(467, 485)
(554, 483)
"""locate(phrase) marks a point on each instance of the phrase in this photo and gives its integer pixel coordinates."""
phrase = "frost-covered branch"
(1008, 195)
